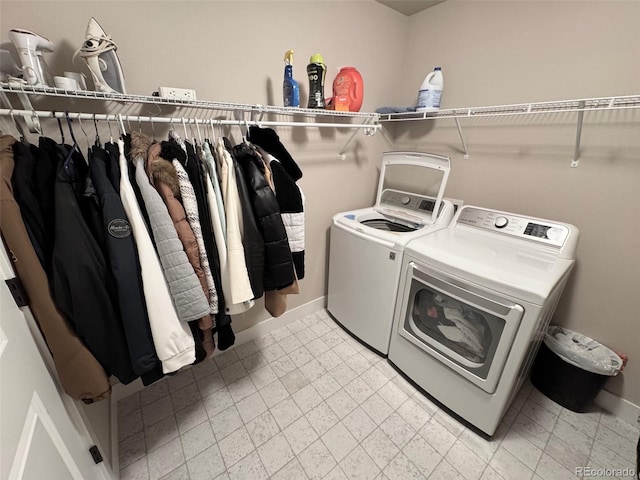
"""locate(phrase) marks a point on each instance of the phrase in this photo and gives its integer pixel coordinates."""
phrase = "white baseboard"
(120, 391)
(624, 409)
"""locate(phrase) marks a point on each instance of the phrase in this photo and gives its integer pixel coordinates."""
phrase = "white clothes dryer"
(473, 303)
(366, 245)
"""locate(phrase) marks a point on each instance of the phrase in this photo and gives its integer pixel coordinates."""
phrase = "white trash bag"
(582, 352)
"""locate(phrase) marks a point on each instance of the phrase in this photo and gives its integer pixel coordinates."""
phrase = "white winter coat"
(172, 339)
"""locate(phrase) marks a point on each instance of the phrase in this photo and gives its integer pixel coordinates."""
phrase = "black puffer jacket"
(278, 262)
(285, 172)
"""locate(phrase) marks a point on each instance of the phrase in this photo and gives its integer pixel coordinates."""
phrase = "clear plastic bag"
(582, 351)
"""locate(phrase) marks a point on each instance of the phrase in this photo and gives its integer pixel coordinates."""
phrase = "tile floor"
(309, 402)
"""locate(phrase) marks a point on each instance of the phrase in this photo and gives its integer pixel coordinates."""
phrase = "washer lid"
(411, 185)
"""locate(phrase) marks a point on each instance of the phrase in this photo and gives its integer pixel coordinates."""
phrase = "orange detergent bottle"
(348, 90)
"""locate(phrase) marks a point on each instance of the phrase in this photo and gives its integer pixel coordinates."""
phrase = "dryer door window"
(465, 330)
(459, 325)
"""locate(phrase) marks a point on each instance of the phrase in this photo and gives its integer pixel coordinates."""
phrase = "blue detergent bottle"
(290, 88)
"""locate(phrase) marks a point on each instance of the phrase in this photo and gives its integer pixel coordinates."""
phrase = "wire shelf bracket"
(576, 151)
(28, 113)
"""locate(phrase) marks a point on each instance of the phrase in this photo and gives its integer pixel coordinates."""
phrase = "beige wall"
(491, 53)
(496, 53)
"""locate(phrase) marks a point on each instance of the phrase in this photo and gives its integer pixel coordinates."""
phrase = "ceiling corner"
(409, 7)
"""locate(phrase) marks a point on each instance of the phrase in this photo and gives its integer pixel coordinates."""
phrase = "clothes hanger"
(86, 137)
(153, 129)
(172, 130)
(122, 129)
(60, 127)
(184, 126)
(193, 136)
(221, 132)
(213, 132)
(110, 132)
(245, 131)
(198, 129)
(95, 125)
(68, 161)
(38, 123)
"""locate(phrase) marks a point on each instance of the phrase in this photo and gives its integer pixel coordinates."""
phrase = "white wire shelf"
(370, 122)
(578, 105)
(198, 104)
(299, 116)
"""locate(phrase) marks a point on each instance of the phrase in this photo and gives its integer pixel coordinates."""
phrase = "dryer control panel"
(527, 228)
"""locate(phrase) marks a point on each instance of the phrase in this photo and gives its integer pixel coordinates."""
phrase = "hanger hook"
(213, 131)
(95, 125)
(82, 129)
(191, 128)
(153, 128)
(73, 136)
(59, 126)
(110, 132)
(184, 125)
(139, 125)
(245, 132)
(198, 130)
(35, 120)
(122, 129)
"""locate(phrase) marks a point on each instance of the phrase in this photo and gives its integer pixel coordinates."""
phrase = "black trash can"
(571, 369)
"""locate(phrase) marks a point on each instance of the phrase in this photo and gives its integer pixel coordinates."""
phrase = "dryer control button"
(405, 200)
(501, 222)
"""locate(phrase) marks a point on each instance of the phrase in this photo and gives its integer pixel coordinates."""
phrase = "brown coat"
(81, 375)
(164, 177)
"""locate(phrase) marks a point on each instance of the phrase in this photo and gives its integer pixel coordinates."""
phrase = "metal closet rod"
(178, 120)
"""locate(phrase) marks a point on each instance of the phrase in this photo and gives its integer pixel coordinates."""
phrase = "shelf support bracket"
(369, 132)
(576, 150)
(30, 119)
(464, 144)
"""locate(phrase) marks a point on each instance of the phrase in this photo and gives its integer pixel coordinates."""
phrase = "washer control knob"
(405, 200)
(501, 222)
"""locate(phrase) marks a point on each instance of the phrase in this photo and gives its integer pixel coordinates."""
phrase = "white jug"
(430, 92)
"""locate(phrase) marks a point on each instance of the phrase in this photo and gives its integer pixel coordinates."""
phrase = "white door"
(38, 439)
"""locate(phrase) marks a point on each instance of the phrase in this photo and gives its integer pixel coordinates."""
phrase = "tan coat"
(81, 375)
(164, 178)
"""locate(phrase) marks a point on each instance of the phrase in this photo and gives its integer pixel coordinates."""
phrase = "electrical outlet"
(177, 93)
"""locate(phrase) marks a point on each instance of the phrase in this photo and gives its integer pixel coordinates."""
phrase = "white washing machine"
(473, 303)
(366, 245)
